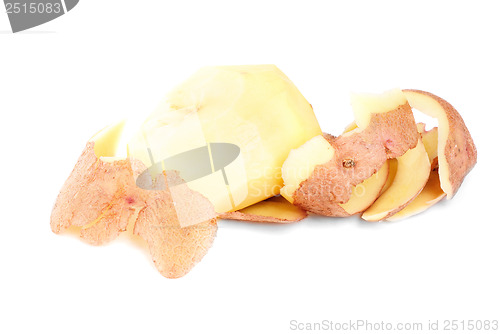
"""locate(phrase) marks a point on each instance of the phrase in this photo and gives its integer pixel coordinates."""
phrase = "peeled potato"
(215, 144)
(257, 109)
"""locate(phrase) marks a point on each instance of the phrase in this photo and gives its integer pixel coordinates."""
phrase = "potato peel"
(388, 135)
(174, 249)
(273, 210)
(430, 195)
(403, 168)
(102, 199)
(411, 177)
(457, 153)
(96, 197)
(432, 192)
(367, 192)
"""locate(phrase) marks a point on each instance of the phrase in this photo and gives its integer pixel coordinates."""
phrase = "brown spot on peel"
(348, 163)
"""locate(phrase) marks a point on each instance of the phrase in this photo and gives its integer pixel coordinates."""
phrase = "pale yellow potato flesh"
(257, 108)
(432, 192)
(430, 195)
(106, 141)
(364, 194)
(350, 127)
(456, 150)
(301, 162)
(430, 140)
(273, 210)
(411, 176)
(393, 168)
(421, 127)
(365, 105)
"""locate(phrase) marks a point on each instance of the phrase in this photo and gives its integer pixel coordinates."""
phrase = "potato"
(255, 108)
(228, 140)
(215, 143)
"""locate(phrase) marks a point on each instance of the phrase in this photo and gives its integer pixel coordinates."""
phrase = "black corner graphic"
(70, 4)
(26, 14)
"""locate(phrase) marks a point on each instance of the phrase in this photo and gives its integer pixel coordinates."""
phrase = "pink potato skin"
(357, 157)
(102, 199)
(460, 151)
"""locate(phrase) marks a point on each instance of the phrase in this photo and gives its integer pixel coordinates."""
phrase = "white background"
(63, 81)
